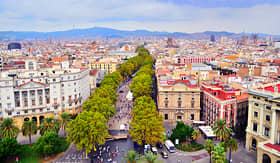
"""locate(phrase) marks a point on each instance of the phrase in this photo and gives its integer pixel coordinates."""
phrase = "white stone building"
(39, 93)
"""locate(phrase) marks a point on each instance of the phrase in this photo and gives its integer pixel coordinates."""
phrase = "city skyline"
(156, 15)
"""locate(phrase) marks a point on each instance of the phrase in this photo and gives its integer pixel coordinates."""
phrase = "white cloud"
(50, 15)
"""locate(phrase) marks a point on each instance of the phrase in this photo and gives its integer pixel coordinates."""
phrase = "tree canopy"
(88, 129)
(8, 129)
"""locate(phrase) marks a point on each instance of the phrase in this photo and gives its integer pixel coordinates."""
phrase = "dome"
(14, 45)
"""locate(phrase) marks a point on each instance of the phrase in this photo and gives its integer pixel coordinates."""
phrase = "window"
(54, 80)
(33, 111)
(166, 97)
(255, 127)
(166, 104)
(62, 99)
(41, 110)
(255, 114)
(268, 107)
(62, 85)
(192, 104)
(256, 104)
(266, 131)
(33, 101)
(267, 118)
(25, 111)
(166, 116)
(179, 104)
(9, 106)
(70, 110)
(9, 113)
(192, 116)
(18, 113)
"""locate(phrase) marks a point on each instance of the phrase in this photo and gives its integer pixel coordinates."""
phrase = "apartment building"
(220, 101)
(34, 93)
(263, 130)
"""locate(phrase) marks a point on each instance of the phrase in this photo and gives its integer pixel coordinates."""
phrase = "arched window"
(266, 159)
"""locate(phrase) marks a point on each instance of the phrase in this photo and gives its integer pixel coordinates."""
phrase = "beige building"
(263, 130)
(109, 65)
(179, 100)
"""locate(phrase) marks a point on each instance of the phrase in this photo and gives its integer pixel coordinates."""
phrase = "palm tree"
(29, 128)
(150, 158)
(131, 157)
(221, 129)
(209, 147)
(49, 124)
(8, 129)
(196, 135)
(219, 154)
(65, 119)
(232, 145)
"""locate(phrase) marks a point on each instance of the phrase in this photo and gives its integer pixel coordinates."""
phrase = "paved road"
(74, 156)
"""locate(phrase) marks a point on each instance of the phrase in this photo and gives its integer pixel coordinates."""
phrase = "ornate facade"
(178, 100)
(36, 94)
(263, 130)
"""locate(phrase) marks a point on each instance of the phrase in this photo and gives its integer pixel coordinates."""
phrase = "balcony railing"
(56, 104)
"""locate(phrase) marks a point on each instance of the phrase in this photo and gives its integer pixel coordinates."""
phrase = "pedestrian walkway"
(123, 109)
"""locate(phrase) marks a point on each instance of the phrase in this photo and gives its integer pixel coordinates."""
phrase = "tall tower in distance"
(212, 38)
(255, 38)
(169, 42)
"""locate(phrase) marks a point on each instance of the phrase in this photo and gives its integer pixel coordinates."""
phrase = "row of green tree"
(89, 128)
(146, 125)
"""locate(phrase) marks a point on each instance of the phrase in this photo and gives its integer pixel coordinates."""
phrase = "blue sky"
(156, 15)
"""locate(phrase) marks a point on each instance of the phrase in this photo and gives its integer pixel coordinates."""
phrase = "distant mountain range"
(100, 32)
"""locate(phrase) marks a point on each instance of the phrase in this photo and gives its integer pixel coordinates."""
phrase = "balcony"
(9, 109)
(56, 104)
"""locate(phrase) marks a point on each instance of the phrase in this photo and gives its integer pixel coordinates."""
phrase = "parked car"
(154, 150)
(164, 154)
(159, 145)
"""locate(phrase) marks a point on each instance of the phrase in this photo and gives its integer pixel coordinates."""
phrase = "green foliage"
(232, 144)
(190, 147)
(218, 154)
(181, 132)
(27, 154)
(88, 129)
(65, 119)
(50, 144)
(209, 146)
(141, 85)
(222, 130)
(150, 158)
(196, 135)
(50, 125)
(101, 105)
(8, 129)
(146, 126)
(29, 128)
(130, 157)
(9, 147)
